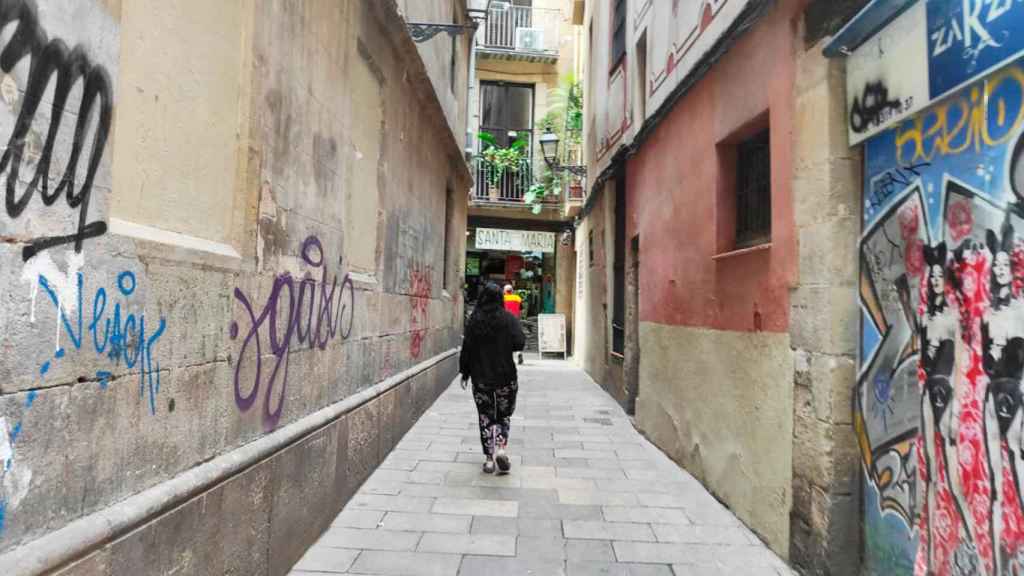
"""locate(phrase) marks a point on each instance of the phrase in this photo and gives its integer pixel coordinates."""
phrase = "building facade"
(526, 83)
(231, 257)
(716, 247)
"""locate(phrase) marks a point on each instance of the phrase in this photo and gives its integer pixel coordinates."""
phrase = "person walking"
(492, 335)
(514, 304)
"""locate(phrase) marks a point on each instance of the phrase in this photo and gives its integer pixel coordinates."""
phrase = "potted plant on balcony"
(497, 160)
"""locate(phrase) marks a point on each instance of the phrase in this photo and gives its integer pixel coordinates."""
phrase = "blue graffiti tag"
(121, 337)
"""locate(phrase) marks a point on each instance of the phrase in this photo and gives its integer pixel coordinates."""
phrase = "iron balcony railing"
(508, 188)
(522, 29)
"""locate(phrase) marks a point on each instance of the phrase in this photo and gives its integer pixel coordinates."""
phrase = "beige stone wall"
(274, 227)
(719, 404)
(182, 101)
(824, 322)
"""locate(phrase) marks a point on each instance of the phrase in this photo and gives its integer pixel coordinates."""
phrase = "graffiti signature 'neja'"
(119, 334)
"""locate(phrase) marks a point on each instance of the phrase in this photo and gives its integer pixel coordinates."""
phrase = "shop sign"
(472, 265)
(514, 240)
(887, 76)
(969, 38)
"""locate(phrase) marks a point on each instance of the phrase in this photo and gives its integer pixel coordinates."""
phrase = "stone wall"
(825, 519)
(231, 290)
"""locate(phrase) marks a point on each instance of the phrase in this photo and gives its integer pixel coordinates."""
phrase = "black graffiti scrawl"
(52, 58)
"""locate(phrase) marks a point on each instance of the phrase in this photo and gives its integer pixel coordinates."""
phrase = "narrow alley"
(764, 258)
(587, 496)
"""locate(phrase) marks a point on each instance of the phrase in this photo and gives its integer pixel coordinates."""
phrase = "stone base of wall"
(260, 520)
(720, 404)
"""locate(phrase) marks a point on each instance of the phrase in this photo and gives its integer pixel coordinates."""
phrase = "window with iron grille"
(618, 31)
(753, 191)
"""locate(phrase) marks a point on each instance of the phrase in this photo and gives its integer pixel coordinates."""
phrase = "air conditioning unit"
(530, 39)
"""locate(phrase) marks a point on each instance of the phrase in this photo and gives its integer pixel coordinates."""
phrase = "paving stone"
(406, 564)
(541, 547)
(323, 559)
(557, 510)
(519, 566)
(360, 539)
(482, 544)
(390, 503)
(596, 498)
(540, 527)
(589, 551)
(471, 507)
(353, 518)
(691, 534)
(610, 569)
(648, 515)
(609, 473)
(595, 530)
(406, 464)
(586, 454)
(421, 522)
(556, 483)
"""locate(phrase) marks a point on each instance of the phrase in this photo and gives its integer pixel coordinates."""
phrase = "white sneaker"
(503, 462)
(489, 467)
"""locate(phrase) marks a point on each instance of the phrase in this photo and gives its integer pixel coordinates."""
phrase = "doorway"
(631, 360)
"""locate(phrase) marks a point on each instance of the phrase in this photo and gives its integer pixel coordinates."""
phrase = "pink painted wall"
(680, 201)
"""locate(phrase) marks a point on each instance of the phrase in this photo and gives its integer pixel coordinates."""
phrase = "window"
(619, 272)
(506, 108)
(590, 248)
(618, 32)
(641, 75)
(753, 191)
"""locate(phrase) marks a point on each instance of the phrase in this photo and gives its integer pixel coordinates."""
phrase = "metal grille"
(753, 192)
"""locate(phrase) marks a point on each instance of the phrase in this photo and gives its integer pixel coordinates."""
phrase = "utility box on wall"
(936, 97)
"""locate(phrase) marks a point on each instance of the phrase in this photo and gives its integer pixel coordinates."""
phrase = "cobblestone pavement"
(587, 495)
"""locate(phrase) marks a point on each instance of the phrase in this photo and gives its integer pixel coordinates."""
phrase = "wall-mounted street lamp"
(549, 147)
(423, 31)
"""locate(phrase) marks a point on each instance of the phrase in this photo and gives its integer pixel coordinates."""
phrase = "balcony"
(521, 33)
(508, 189)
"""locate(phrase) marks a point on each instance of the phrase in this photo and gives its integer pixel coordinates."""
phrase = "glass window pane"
(520, 108)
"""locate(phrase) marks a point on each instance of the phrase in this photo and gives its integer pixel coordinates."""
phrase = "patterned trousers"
(495, 407)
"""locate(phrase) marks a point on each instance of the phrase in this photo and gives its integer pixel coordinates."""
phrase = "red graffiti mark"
(910, 221)
(961, 220)
(914, 257)
(1017, 264)
(420, 287)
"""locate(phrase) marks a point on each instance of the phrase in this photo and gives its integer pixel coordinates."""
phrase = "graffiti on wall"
(53, 61)
(939, 394)
(307, 312)
(420, 287)
(105, 324)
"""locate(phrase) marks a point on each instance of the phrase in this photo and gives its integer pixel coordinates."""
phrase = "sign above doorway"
(515, 240)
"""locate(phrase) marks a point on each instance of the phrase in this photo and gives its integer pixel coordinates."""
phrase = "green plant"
(501, 160)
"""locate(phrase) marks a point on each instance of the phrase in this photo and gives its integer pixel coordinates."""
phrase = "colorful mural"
(939, 398)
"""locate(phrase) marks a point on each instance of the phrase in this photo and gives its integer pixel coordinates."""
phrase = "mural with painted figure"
(938, 398)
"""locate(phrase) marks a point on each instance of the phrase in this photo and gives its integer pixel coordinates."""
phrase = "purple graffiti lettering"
(309, 317)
